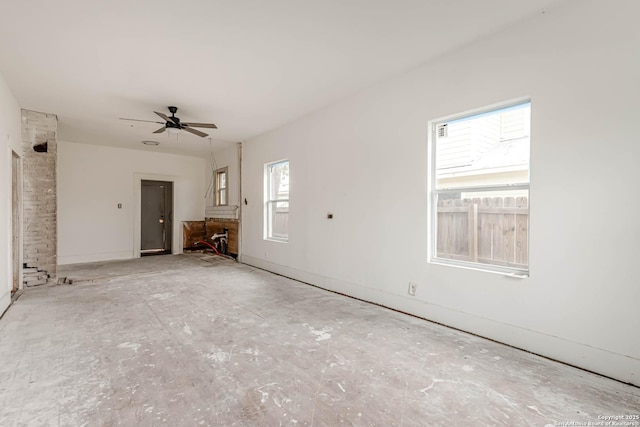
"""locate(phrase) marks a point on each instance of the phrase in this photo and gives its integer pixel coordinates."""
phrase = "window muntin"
(222, 186)
(277, 201)
(480, 190)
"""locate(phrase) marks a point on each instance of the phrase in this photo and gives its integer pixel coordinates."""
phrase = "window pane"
(221, 187)
(277, 204)
(491, 148)
(279, 219)
(279, 181)
(489, 227)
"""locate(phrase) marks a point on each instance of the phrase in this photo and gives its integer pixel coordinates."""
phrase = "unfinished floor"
(190, 340)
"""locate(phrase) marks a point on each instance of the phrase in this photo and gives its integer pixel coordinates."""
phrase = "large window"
(277, 201)
(222, 187)
(480, 190)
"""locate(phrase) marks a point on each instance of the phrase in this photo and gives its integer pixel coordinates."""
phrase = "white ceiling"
(247, 65)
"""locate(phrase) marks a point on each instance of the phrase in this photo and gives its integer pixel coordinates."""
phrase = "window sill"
(275, 239)
(222, 211)
(485, 268)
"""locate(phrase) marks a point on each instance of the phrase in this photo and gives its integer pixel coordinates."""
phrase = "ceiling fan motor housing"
(173, 123)
(176, 121)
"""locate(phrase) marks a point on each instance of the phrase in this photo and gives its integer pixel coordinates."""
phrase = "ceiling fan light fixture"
(173, 131)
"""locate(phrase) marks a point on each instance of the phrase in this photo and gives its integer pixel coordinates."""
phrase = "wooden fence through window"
(490, 230)
(280, 221)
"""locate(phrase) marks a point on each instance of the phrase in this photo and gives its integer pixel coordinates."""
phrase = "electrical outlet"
(412, 288)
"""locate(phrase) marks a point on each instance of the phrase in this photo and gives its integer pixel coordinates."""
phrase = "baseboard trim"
(107, 256)
(583, 356)
(5, 302)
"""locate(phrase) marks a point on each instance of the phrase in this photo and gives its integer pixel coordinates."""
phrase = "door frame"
(137, 217)
(16, 222)
(167, 217)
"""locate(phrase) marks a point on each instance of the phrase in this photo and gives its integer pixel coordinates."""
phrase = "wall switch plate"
(412, 288)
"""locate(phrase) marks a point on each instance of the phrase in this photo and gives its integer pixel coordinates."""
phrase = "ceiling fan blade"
(200, 125)
(165, 117)
(195, 132)
(136, 120)
(162, 129)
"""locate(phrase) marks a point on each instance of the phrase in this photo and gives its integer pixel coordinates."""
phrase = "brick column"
(39, 194)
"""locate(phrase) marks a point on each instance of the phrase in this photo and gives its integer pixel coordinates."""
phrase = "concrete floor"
(187, 341)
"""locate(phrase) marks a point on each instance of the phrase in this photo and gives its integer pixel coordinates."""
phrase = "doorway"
(16, 221)
(156, 217)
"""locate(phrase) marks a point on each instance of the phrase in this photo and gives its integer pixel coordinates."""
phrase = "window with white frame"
(222, 186)
(480, 189)
(277, 201)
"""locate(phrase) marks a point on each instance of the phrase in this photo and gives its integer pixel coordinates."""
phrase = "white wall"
(227, 157)
(93, 179)
(365, 160)
(10, 140)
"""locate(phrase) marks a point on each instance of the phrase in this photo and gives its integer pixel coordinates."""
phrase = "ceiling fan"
(173, 125)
